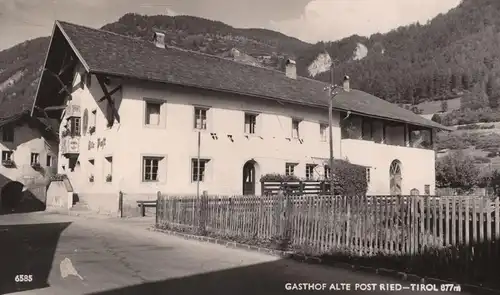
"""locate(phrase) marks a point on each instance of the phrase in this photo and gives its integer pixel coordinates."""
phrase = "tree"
(444, 106)
(456, 170)
(474, 99)
(495, 182)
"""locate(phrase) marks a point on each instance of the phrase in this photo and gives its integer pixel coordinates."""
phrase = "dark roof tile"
(111, 53)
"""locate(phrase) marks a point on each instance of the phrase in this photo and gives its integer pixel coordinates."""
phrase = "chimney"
(347, 86)
(159, 39)
(290, 69)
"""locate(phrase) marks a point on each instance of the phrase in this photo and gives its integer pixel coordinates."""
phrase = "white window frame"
(108, 168)
(34, 158)
(49, 160)
(152, 160)
(296, 131)
(290, 169)
(310, 168)
(327, 171)
(94, 118)
(7, 155)
(203, 172)
(323, 132)
(250, 124)
(200, 113)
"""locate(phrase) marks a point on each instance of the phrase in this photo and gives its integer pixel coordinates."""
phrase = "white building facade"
(146, 136)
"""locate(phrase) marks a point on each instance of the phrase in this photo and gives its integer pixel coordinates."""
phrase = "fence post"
(301, 188)
(158, 202)
(203, 214)
(120, 204)
(262, 188)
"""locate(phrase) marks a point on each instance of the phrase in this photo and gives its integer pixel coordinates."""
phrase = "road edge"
(315, 260)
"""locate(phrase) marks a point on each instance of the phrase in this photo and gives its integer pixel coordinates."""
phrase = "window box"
(58, 177)
(8, 163)
(36, 166)
(91, 178)
(65, 133)
(92, 130)
(109, 178)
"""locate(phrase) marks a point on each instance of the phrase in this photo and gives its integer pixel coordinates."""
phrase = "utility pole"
(331, 93)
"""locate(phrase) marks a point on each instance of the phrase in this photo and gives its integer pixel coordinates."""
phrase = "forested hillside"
(455, 54)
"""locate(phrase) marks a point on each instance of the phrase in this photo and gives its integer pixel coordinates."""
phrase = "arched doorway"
(249, 178)
(395, 177)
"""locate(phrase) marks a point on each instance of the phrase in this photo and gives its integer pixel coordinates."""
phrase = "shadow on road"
(27, 249)
(261, 279)
(15, 198)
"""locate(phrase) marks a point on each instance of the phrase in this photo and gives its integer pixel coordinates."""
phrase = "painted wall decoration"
(101, 143)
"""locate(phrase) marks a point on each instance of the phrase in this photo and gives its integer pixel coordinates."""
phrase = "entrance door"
(249, 178)
(395, 177)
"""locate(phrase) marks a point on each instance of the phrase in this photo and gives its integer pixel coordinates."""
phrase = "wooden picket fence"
(365, 226)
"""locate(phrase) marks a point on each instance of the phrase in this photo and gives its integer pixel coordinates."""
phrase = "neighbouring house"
(29, 151)
(136, 115)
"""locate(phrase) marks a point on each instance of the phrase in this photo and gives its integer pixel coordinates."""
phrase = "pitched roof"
(104, 52)
(51, 126)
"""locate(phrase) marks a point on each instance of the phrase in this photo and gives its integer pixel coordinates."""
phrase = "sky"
(308, 20)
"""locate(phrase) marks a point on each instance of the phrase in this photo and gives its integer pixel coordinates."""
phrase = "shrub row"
(350, 179)
(475, 127)
(467, 116)
(456, 141)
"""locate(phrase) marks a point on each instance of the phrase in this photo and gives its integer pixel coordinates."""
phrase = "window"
(35, 158)
(8, 133)
(367, 129)
(153, 111)
(91, 170)
(150, 168)
(6, 155)
(200, 118)
(290, 169)
(110, 114)
(108, 166)
(198, 174)
(323, 131)
(74, 124)
(327, 172)
(310, 171)
(250, 123)
(368, 171)
(93, 118)
(295, 128)
(48, 161)
(427, 189)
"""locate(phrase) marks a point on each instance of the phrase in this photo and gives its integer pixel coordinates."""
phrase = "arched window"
(395, 177)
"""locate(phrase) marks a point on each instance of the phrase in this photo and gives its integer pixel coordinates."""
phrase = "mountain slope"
(455, 53)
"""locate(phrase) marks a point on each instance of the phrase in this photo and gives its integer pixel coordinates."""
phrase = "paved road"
(74, 255)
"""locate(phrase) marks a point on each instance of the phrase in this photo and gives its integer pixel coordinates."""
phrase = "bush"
(481, 160)
(276, 177)
(493, 154)
(456, 170)
(469, 116)
(475, 127)
(350, 179)
(437, 118)
(457, 141)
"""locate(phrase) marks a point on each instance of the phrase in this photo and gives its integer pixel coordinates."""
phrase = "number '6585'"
(24, 278)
